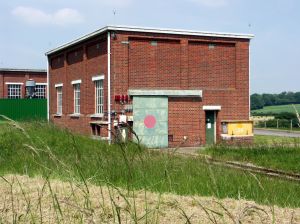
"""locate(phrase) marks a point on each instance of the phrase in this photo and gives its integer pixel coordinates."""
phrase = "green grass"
(277, 109)
(268, 151)
(42, 149)
(275, 140)
(296, 129)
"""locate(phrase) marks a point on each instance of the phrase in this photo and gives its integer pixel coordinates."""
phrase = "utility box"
(122, 134)
(238, 130)
(30, 88)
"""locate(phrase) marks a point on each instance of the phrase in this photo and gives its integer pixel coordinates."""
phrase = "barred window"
(59, 99)
(40, 91)
(14, 91)
(76, 98)
(99, 96)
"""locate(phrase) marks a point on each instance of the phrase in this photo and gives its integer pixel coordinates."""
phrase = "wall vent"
(211, 46)
(153, 43)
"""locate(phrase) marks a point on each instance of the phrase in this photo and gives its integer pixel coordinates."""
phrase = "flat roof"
(150, 30)
(22, 70)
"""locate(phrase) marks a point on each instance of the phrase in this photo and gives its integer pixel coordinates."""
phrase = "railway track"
(244, 166)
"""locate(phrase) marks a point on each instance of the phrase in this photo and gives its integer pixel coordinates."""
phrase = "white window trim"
(58, 85)
(211, 107)
(41, 84)
(76, 82)
(99, 113)
(74, 100)
(96, 115)
(14, 83)
(57, 106)
(97, 77)
(38, 91)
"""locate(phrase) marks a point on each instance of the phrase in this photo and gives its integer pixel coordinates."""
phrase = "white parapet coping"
(114, 28)
(172, 93)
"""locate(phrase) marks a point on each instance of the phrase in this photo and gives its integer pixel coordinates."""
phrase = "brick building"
(12, 82)
(174, 87)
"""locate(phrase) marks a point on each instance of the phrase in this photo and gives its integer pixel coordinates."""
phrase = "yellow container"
(237, 128)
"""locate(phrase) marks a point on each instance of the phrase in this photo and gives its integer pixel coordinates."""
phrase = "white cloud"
(211, 3)
(62, 17)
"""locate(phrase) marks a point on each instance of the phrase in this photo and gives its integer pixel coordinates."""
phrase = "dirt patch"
(24, 200)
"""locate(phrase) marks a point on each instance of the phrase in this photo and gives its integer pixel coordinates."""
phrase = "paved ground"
(277, 133)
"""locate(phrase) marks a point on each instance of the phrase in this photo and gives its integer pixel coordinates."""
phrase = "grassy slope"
(277, 109)
(284, 153)
(49, 151)
(275, 140)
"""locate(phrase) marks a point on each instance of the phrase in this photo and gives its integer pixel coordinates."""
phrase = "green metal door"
(150, 120)
(210, 127)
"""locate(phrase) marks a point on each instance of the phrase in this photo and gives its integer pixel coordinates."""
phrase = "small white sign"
(122, 118)
(209, 125)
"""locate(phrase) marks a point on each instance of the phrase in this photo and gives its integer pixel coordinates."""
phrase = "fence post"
(291, 125)
(277, 124)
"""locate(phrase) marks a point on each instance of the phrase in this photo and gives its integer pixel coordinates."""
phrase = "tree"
(260, 100)
(297, 97)
(256, 101)
(269, 99)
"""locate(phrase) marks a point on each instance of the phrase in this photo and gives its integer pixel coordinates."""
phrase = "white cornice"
(150, 30)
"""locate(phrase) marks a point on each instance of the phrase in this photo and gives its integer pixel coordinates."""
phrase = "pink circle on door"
(150, 121)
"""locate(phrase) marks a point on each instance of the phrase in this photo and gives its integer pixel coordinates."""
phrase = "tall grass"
(276, 153)
(43, 149)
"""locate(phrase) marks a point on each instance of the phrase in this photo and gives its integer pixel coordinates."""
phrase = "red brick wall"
(154, 66)
(1, 86)
(186, 119)
(21, 77)
(82, 62)
(211, 65)
(218, 66)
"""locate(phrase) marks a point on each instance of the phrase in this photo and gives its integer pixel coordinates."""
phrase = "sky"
(29, 28)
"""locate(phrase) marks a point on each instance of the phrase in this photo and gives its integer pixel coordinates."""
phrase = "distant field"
(277, 109)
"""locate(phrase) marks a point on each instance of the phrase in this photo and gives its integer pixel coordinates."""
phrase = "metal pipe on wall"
(48, 94)
(108, 87)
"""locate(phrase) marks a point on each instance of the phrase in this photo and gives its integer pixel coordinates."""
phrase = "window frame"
(40, 93)
(76, 101)
(99, 94)
(17, 90)
(59, 99)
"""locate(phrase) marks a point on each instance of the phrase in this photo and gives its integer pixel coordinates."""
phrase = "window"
(99, 96)
(76, 98)
(59, 99)
(40, 91)
(14, 91)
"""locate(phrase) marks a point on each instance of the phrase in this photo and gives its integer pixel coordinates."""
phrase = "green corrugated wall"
(24, 109)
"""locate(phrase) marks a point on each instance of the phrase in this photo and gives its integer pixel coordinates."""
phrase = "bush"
(282, 123)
